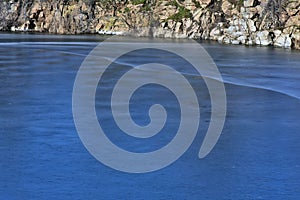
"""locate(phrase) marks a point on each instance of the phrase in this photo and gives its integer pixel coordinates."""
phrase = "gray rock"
(277, 33)
(249, 3)
(226, 40)
(242, 39)
(215, 33)
(263, 38)
(235, 42)
(221, 38)
(237, 34)
(230, 30)
(251, 25)
(283, 40)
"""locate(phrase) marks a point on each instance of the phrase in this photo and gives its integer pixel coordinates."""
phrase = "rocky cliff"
(249, 22)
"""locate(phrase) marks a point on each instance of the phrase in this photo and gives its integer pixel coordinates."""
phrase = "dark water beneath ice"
(42, 157)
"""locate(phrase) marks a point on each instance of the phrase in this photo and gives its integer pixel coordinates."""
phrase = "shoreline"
(33, 32)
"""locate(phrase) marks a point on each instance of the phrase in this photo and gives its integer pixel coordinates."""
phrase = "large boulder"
(263, 38)
(283, 40)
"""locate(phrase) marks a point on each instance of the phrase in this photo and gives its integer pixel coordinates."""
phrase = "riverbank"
(248, 22)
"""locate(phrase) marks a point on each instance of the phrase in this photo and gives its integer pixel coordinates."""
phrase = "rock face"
(249, 22)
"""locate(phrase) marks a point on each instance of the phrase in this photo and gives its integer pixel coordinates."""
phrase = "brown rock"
(293, 20)
(296, 39)
(227, 7)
